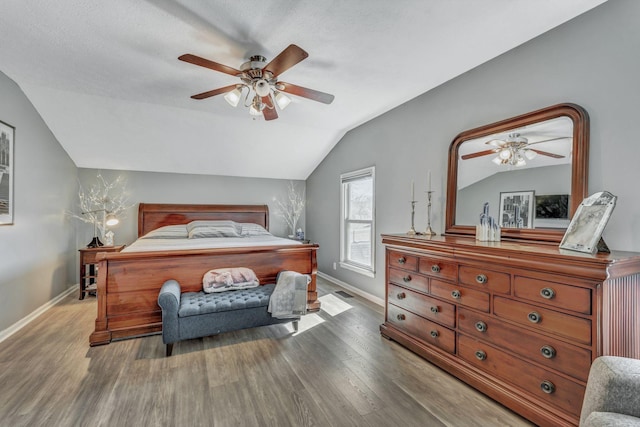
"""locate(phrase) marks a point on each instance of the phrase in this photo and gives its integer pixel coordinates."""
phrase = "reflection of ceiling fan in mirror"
(513, 150)
(263, 90)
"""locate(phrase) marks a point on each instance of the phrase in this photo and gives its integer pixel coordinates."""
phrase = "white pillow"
(203, 229)
(251, 229)
(168, 232)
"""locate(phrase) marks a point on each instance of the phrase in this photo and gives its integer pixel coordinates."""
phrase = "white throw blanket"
(289, 298)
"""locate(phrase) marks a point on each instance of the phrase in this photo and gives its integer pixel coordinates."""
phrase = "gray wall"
(37, 252)
(152, 187)
(543, 180)
(592, 61)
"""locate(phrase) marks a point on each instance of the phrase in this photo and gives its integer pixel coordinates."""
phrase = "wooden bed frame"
(129, 283)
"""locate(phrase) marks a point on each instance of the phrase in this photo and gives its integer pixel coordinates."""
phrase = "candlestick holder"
(412, 231)
(429, 231)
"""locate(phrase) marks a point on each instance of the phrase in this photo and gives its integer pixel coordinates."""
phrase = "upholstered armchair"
(613, 393)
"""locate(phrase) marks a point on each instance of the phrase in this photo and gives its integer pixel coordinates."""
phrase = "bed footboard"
(129, 283)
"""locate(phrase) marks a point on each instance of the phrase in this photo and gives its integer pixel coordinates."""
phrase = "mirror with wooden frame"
(532, 170)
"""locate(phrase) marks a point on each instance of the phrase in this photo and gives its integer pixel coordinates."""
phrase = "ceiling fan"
(513, 150)
(261, 80)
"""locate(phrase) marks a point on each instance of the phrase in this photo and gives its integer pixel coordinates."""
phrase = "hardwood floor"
(337, 372)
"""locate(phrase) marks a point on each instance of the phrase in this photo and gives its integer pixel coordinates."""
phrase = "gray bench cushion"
(197, 303)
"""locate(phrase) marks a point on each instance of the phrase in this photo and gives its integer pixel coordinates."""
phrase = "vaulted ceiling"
(105, 77)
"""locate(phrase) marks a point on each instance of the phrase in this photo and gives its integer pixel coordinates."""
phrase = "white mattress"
(145, 245)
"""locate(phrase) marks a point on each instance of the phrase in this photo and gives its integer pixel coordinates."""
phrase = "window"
(357, 226)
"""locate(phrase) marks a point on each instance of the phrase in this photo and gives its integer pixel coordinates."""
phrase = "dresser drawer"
(543, 319)
(437, 268)
(494, 281)
(556, 294)
(546, 385)
(431, 308)
(409, 280)
(460, 295)
(552, 353)
(422, 328)
(403, 260)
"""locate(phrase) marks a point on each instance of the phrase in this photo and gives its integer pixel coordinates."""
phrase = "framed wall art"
(7, 171)
(585, 230)
(516, 209)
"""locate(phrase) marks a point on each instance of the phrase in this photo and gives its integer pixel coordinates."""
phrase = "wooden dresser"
(520, 322)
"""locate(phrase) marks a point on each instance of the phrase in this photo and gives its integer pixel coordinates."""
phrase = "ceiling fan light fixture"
(262, 87)
(530, 154)
(505, 154)
(233, 97)
(282, 100)
(256, 106)
(520, 161)
(497, 160)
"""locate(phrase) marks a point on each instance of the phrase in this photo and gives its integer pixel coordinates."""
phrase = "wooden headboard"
(155, 215)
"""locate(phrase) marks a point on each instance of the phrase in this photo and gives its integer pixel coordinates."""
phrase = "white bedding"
(144, 245)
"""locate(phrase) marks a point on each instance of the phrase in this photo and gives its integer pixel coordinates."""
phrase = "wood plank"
(338, 373)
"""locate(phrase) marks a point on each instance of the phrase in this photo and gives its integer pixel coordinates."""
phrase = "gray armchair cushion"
(612, 397)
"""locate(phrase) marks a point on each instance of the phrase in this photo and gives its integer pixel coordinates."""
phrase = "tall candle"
(413, 191)
(429, 181)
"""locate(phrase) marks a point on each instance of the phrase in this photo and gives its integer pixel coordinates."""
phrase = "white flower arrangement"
(291, 209)
(100, 199)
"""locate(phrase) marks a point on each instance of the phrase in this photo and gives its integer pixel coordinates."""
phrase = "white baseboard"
(374, 299)
(34, 314)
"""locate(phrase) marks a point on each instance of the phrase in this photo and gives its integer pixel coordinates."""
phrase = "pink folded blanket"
(227, 279)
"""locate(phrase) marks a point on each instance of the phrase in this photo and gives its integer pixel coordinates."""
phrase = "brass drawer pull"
(481, 326)
(548, 351)
(401, 295)
(401, 317)
(455, 294)
(402, 260)
(435, 268)
(547, 293)
(434, 309)
(434, 334)
(534, 317)
(481, 278)
(547, 386)
(406, 279)
(481, 355)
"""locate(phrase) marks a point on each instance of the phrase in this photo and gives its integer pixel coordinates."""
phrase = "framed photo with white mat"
(585, 230)
(7, 172)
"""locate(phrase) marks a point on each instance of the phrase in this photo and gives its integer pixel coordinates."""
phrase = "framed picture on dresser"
(7, 170)
(586, 227)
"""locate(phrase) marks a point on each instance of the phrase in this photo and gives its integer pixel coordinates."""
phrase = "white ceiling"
(105, 77)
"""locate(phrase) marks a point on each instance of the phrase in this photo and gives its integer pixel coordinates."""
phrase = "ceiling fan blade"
(315, 95)
(269, 112)
(285, 60)
(544, 153)
(496, 142)
(478, 154)
(214, 92)
(192, 59)
(548, 140)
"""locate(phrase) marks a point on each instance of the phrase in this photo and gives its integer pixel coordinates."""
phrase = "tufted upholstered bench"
(197, 314)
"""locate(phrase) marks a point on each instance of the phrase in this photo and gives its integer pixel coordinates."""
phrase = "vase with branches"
(291, 208)
(100, 201)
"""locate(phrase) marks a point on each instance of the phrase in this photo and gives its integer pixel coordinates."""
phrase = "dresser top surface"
(457, 244)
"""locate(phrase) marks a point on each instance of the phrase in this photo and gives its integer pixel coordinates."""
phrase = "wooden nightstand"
(89, 267)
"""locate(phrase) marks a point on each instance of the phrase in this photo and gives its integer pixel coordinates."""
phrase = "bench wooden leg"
(169, 349)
